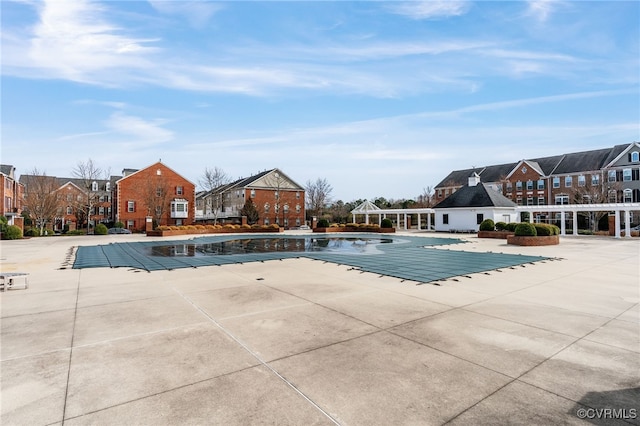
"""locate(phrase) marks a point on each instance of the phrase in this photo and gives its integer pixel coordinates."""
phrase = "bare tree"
(318, 195)
(41, 199)
(426, 199)
(88, 173)
(599, 192)
(211, 180)
(156, 195)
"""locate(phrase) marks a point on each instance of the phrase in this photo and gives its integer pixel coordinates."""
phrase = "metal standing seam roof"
(413, 258)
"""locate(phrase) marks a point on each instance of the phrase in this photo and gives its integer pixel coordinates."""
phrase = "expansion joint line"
(73, 335)
(257, 357)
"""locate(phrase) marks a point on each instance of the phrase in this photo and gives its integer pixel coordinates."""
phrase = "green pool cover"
(409, 258)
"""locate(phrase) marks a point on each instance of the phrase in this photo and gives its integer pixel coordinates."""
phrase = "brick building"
(600, 176)
(12, 193)
(155, 191)
(278, 199)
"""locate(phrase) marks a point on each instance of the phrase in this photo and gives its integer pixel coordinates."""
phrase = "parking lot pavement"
(302, 341)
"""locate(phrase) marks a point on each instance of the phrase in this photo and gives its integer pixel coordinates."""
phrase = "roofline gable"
(150, 166)
(622, 154)
(528, 163)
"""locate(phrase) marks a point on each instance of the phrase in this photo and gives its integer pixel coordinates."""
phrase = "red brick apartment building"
(606, 175)
(277, 198)
(12, 193)
(157, 192)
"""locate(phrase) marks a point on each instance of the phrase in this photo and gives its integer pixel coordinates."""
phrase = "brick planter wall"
(158, 233)
(494, 234)
(547, 240)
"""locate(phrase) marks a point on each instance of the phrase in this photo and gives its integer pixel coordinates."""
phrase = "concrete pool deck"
(300, 341)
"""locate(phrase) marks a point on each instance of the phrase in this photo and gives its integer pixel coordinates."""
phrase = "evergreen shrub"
(525, 229)
(487, 225)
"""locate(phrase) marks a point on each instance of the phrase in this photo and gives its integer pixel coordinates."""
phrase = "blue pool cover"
(409, 258)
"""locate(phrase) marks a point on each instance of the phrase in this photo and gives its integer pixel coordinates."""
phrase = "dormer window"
(108, 186)
(635, 157)
(94, 186)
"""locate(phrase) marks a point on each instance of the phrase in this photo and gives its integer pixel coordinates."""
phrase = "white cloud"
(430, 9)
(73, 41)
(541, 10)
(197, 13)
(143, 131)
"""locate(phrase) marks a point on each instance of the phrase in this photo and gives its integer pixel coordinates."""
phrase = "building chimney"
(474, 179)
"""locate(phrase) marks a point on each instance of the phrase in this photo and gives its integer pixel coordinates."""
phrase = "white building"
(465, 209)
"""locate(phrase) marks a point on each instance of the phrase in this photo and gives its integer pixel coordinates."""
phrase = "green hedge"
(511, 226)
(12, 232)
(525, 229)
(487, 225)
(544, 229)
(100, 229)
(323, 223)
(386, 223)
(501, 226)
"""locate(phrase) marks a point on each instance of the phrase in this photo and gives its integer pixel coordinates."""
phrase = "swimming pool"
(346, 245)
(406, 257)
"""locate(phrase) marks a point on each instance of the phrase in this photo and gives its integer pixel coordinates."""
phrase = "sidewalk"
(300, 341)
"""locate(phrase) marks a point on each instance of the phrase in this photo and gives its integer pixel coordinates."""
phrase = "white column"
(627, 224)
(379, 219)
(575, 223)
(366, 218)
(428, 221)
(398, 220)
(617, 223)
(405, 221)
(563, 226)
(531, 217)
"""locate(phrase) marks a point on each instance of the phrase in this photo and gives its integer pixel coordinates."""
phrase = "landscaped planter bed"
(171, 232)
(546, 240)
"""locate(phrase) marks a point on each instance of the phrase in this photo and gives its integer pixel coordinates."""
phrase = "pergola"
(563, 209)
(367, 208)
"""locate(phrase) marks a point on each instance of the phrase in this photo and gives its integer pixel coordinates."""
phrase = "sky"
(380, 98)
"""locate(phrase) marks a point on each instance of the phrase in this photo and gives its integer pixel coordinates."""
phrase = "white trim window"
(612, 175)
(626, 175)
(562, 199)
(131, 206)
(595, 180)
(628, 197)
(568, 181)
(556, 182)
(582, 180)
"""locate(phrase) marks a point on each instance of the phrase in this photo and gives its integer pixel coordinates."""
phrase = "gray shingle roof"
(5, 169)
(480, 195)
(583, 161)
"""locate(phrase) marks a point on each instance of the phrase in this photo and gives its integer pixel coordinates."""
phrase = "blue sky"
(381, 98)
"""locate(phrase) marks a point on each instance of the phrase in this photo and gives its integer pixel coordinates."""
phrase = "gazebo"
(365, 208)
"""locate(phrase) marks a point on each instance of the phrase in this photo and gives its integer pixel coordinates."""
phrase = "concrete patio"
(303, 342)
